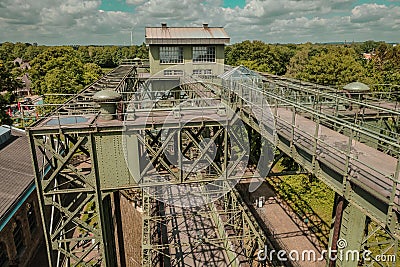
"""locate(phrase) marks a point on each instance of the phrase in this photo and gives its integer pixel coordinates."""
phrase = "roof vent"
(205, 25)
(107, 100)
(164, 25)
(5, 134)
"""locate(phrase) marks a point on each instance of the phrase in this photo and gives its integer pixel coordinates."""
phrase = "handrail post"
(346, 176)
(293, 129)
(390, 214)
(316, 138)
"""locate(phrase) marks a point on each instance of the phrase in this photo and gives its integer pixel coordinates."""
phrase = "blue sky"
(284, 21)
(234, 3)
(120, 5)
(116, 5)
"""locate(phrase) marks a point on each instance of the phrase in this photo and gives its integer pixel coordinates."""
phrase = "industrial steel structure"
(176, 144)
(86, 166)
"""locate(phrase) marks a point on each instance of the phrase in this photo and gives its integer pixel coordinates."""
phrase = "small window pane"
(31, 218)
(204, 54)
(173, 72)
(18, 237)
(171, 54)
(197, 72)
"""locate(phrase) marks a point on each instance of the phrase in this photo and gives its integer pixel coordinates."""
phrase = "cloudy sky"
(55, 22)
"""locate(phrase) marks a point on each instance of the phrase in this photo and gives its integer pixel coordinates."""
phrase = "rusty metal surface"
(186, 35)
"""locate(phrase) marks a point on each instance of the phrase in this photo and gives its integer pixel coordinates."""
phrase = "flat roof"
(186, 35)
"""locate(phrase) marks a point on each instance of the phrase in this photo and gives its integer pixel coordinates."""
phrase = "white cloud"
(81, 21)
(135, 2)
(368, 12)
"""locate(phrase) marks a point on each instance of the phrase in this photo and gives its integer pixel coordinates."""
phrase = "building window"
(3, 255)
(31, 217)
(202, 72)
(197, 72)
(18, 237)
(171, 54)
(204, 54)
(173, 72)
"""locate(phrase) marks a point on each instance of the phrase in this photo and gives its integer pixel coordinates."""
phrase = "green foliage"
(89, 212)
(7, 80)
(308, 198)
(315, 193)
(104, 56)
(91, 73)
(368, 46)
(384, 67)
(259, 56)
(111, 56)
(9, 51)
(8, 84)
(32, 52)
(4, 117)
(334, 65)
(59, 70)
(329, 65)
(289, 164)
(6, 52)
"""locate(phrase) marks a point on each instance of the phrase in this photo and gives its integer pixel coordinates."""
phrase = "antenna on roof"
(131, 37)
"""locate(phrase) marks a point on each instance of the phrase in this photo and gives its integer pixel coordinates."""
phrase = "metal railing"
(344, 157)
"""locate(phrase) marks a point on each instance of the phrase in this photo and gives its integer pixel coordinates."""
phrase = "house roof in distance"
(186, 35)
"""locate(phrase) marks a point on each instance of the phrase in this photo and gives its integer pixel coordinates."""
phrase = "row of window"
(173, 72)
(174, 54)
(202, 72)
(18, 235)
(180, 72)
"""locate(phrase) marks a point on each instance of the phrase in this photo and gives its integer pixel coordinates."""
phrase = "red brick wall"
(132, 231)
(31, 240)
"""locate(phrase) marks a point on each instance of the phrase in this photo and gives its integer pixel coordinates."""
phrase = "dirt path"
(291, 233)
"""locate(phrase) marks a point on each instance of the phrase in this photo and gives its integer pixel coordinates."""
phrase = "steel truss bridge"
(351, 144)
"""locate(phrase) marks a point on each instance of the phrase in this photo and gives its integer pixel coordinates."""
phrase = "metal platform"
(86, 160)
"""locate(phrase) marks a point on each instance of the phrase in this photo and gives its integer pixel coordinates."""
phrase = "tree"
(142, 51)
(259, 56)
(298, 62)
(83, 53)
(384, 67)
(59, 70)
(8, 84)
(19, 50)
(33, 51)
(91, 73)
(129, 52)
(7, 52)
(369, 46)
(4, 117)
(331, 66)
